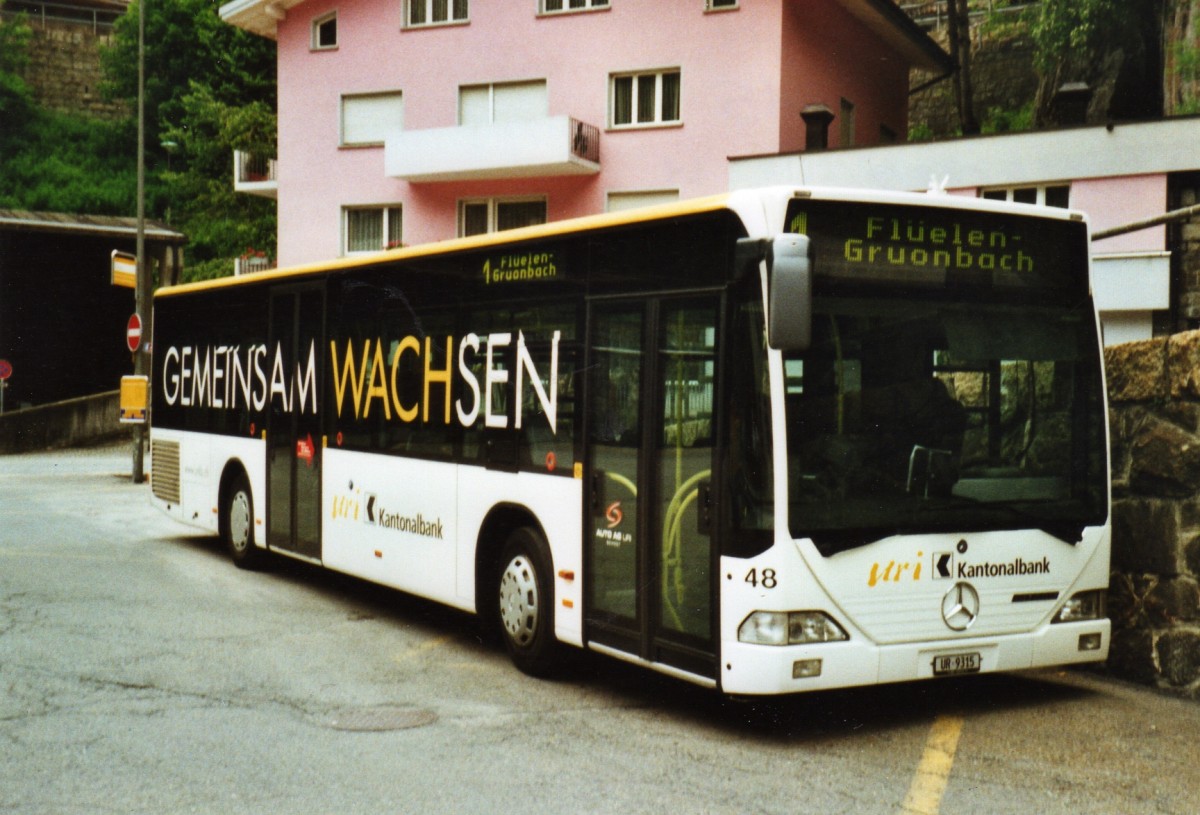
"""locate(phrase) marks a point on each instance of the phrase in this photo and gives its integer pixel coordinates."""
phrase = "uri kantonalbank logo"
(375, 514)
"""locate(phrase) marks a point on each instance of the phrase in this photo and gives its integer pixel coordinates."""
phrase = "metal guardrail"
(98, 18)
(931, 14)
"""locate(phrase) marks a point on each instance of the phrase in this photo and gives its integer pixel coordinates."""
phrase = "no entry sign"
(133, 333)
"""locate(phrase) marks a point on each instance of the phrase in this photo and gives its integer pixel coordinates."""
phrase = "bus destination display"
(928, 246)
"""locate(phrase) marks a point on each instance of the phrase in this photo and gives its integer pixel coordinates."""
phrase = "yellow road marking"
(929, 784)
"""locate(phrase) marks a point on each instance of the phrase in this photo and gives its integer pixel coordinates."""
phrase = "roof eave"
(888, 21)
(261, 17)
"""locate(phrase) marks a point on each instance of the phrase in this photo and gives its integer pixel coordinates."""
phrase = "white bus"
(768, 442)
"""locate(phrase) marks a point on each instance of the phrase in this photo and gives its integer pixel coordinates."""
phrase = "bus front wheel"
(525, 594)
(237, 524)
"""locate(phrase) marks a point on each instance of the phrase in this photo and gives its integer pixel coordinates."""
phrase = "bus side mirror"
(789, 321)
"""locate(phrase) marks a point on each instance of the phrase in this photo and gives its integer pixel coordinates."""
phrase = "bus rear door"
(294, 445)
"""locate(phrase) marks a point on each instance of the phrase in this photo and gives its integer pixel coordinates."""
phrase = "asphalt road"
(140, 672)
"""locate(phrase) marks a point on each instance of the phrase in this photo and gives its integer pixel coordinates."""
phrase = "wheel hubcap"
(519, 601)
(239, 521)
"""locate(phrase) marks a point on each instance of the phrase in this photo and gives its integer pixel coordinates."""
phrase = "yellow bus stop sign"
(124, 269)
(134, 390)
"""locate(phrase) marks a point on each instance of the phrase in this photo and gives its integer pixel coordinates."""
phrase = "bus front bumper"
(767, 670)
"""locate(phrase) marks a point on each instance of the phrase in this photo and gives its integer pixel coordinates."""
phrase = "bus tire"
(237, 524)
(525, 600)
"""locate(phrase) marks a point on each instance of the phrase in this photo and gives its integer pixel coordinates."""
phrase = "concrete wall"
(1154, 596)
(73, 422)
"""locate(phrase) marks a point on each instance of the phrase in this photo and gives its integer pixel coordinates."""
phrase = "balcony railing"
(254, 173)
(559, 145)
(251, 264)
(585, 141)
(932, 14)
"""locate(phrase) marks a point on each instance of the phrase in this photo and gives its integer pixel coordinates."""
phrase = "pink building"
(420, 120)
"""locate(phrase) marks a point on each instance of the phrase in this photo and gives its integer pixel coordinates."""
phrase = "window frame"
(314, 43)
(721, 5)
(636, 199)
(635, 78)
(1010, 192)
(492, 88)
(390, 225)
(428, 22)
(494, 202)
(588, 5)
(345, 97)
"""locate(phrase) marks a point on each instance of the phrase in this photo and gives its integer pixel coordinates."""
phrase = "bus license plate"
(949, 664)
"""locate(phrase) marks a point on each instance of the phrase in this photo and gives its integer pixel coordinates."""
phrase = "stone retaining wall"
(1154, 596)
(64, 69)
(1001, 72)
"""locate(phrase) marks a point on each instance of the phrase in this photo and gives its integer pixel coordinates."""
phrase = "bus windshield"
(923, 406)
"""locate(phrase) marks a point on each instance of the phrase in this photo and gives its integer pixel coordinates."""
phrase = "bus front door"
(294, 445)
(650, 555)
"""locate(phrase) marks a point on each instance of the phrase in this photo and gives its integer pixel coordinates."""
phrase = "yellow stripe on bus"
(492, 239)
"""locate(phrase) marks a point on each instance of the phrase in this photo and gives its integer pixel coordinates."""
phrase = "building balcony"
(254, 174)
(252, 264)
(558, 145)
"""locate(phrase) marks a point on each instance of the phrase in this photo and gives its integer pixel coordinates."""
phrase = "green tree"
(14, 56)
(1112, 45)
(53, 161)
(220, 223)
(209, 89)
(1082, 29)
(186, 41)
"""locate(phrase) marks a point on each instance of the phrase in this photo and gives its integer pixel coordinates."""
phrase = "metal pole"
(142, 290)
(1146, 223)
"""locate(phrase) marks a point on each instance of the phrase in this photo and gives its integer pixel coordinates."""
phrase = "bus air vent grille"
(164, 475)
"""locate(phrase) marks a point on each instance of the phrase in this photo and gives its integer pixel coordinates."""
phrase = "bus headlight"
(1087, 605)
(789, 628)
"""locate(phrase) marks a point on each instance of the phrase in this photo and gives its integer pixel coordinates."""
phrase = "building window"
(435, 12)
(557, 6)
(620, 201)
(1046, 195)
(846, 126)
(718, 5)
(645, 99)
(508, 102)
(371, 229)
(324, 32)
(482, 215)
(368, 119)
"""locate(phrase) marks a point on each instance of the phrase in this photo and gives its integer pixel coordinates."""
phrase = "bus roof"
(510, 236)
(745, 202)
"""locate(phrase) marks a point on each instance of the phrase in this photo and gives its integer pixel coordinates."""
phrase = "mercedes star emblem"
(960, 606)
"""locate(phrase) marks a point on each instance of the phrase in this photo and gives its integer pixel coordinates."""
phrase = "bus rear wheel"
(525, 595)
(237, 524)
